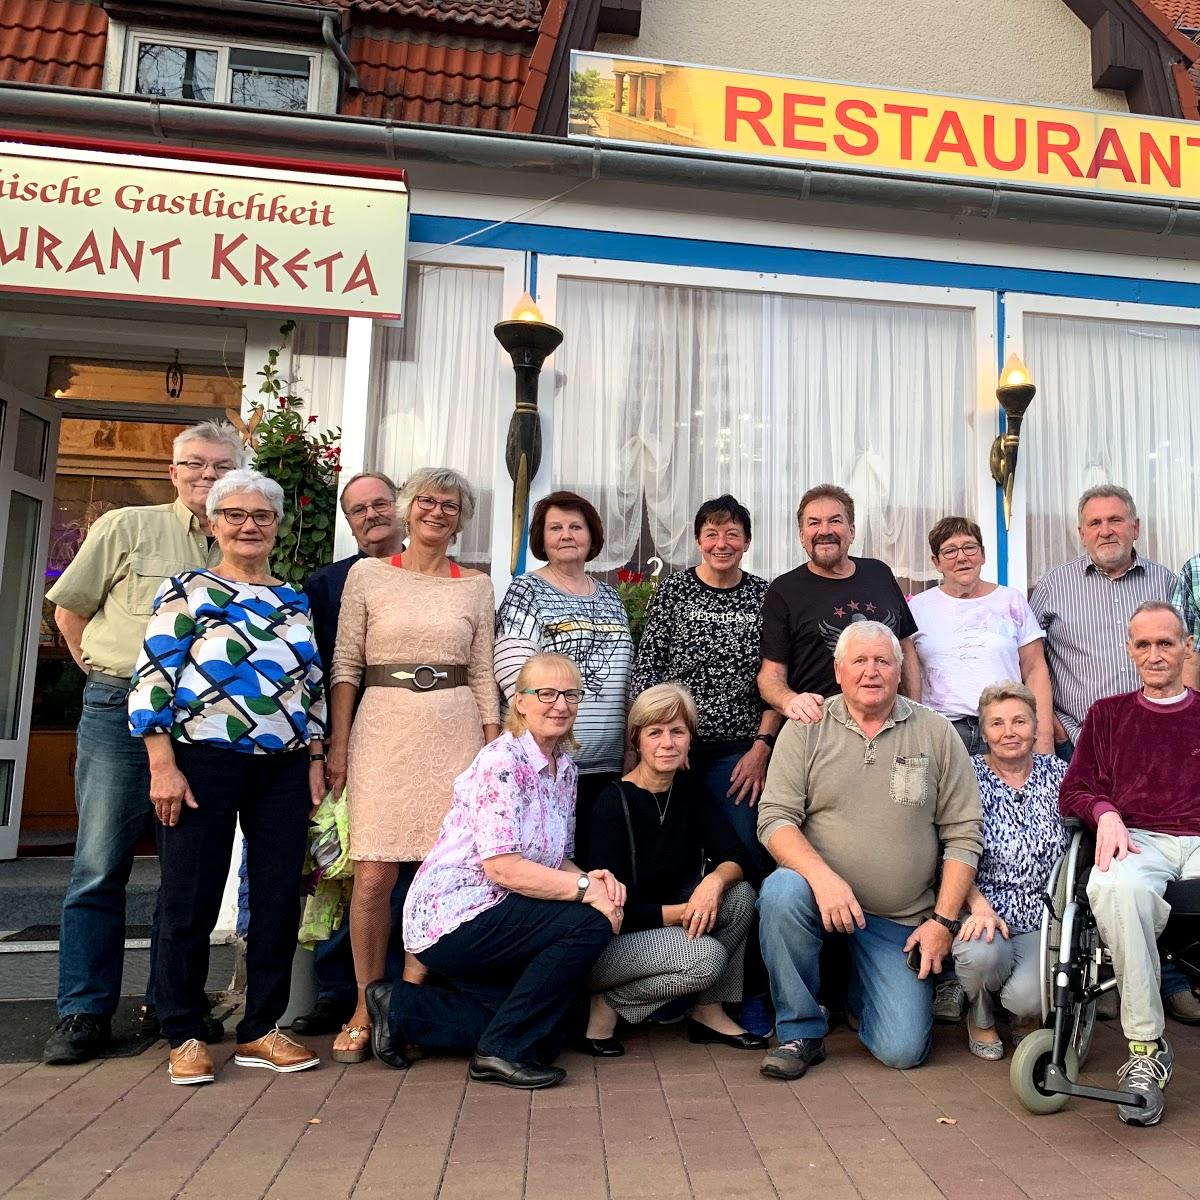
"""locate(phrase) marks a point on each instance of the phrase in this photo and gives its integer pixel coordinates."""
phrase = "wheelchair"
(1076, 970)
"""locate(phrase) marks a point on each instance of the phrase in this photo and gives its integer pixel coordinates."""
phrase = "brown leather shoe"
(190, 1063)
(277, 1052)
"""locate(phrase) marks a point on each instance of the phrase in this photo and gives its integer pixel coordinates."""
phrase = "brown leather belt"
(417, 677)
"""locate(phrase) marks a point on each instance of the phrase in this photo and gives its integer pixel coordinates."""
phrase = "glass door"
(28, 446)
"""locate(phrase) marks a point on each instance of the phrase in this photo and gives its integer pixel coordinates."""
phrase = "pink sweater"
(1141, 760)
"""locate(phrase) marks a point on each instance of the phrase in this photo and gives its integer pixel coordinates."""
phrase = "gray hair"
(220, 432)
(233, 482)
(1008, 689)
(437, 479)
(1148, 606)
(1107, 491)
(858, 631)
(386, 480)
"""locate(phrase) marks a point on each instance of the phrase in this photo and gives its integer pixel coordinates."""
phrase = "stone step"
(32, 890)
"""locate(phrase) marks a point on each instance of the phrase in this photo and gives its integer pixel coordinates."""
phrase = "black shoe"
(790, 1060)
(326, 1016)
(701, 1035)
(488, 1069)
(77, 1039)
(379, 1000)
(148, 1025)
(607, 1047)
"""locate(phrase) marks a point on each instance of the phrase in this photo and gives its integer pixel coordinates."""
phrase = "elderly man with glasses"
(102, 605)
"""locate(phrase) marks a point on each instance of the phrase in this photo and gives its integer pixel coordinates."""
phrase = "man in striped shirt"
(1085, 606)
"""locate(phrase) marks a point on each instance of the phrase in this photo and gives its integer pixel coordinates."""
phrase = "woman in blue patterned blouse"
(229, 698)
(997, 951)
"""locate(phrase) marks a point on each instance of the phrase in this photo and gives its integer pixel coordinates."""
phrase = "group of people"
(555, 832)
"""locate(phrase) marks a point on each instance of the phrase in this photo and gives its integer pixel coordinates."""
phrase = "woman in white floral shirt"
(498, 908)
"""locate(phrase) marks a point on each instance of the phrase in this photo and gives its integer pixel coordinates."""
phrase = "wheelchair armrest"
(1072, 823)
(1183, 895)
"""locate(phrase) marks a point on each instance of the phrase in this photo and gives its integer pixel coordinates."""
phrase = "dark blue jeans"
(514, 971)
(269, 793)
(112, 797)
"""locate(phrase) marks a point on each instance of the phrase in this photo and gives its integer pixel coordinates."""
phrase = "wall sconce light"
(529, 341)
(175, 379)
(1014, 391)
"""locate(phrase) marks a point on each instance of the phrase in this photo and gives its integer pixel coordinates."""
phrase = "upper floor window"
(224, 72)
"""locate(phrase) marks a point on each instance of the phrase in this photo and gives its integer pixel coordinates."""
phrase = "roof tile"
(1185, 14)
(52, 42)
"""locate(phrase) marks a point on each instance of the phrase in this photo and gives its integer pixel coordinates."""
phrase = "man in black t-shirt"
(806, 609)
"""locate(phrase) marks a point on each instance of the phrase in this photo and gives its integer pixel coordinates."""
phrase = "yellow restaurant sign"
(873, 129)
(78, 222)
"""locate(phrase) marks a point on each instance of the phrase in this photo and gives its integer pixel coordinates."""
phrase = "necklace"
(570, 584)
(662, 812)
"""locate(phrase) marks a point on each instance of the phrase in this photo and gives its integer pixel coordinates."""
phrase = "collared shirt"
(1186, 596)
(876, 808)
(1085, 615)
(1023, 837)
(113, 580)
(505, 802)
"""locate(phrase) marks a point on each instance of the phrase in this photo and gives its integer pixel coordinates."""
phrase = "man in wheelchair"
(1135, 779)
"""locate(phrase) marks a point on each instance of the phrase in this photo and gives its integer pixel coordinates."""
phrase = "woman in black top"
(688, 908)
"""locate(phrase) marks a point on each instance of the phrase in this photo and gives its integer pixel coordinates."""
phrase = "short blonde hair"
(437, 479)
(1007, 690)
(515, 722)
(659, 704)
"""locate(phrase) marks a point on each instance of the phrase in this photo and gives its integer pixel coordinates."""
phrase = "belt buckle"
(414, 676)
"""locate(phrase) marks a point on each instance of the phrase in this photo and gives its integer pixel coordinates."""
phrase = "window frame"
(124, 43)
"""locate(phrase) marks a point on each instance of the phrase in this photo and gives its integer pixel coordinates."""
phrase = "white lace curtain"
(668, 396)
(1114, 405)
(435, 384)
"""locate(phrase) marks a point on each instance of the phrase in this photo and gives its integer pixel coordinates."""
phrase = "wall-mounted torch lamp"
(529, 341)
(1014, 391)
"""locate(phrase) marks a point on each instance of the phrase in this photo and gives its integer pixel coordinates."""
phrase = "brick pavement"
(668, 1120)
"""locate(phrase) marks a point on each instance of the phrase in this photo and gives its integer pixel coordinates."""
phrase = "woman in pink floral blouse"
(498, 909)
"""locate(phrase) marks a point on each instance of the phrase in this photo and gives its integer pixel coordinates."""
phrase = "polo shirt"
(112, 581)
(1086, 616)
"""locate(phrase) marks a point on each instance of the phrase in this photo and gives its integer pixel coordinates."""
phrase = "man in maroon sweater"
(1135, 778)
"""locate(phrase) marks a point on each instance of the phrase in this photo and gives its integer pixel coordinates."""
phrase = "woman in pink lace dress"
(415, 637)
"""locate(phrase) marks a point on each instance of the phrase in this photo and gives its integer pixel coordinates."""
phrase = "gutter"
(61, 112)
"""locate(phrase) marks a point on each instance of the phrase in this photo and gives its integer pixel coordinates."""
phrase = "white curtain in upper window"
(436, 385)
(317, 369)
(1114, 405)
(668, 396)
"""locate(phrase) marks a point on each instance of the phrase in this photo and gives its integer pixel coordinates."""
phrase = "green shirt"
(877, 809)
(120, 566)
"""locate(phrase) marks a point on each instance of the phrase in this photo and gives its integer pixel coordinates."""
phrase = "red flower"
(312, 418)
(291, 437)
(625, 575)
(305, 501)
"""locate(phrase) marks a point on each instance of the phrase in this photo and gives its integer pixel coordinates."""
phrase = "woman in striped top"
(559, 608)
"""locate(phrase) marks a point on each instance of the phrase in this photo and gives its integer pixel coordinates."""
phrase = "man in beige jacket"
(855, 811)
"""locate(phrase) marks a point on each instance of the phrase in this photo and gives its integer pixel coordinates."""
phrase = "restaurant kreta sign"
(254, 236)
(875, 130)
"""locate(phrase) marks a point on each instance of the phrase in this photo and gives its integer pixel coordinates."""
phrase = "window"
(248, 75)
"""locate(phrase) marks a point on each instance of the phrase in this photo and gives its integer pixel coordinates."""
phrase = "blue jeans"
(967, 729)
(714, 764)
(894, 1007)
(112, 796)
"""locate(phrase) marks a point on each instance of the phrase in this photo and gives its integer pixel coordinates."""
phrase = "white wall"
(1035, 51)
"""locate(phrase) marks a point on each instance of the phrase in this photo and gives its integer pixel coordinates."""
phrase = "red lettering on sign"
(361, 277)
(1150, 151)
(870, 138)
(951, 138)
(1063, 151)
(326, 264)
(264, 260)
(906, 113)
(7, 255)
(792, 118)
(1020, 145)
(221, 261)
(752, 117)
(294, 266)
(132, 260)
(1110, 152)
(163, 251)
(47, 243)
(88, 255)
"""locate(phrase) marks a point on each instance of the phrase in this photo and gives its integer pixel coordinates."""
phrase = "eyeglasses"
(970, 549)
(262, 517)
(197, 466)
(427, 504)
(550, 695)
(361, 510)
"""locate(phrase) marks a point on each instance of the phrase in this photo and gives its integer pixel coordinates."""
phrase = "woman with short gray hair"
(997, 952)
(415, 639)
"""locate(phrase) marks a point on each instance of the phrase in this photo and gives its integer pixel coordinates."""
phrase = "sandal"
(360, 1044)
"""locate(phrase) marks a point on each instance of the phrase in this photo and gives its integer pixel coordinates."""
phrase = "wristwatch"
(581, 886)
(769, 738)
(946, 923)
(317, 758)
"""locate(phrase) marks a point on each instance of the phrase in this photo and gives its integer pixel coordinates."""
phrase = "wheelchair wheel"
(1027, 1072)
